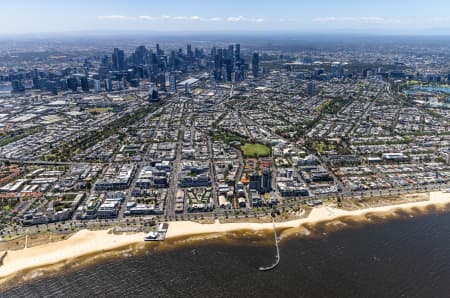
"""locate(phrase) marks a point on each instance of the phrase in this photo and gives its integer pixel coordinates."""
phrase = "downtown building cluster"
(158, 68)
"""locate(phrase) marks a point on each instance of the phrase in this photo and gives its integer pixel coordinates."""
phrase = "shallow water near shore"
(375, 257)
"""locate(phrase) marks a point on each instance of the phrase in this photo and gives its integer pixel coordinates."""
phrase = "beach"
(87, 242)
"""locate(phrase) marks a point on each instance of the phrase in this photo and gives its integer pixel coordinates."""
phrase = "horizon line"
(130, 32)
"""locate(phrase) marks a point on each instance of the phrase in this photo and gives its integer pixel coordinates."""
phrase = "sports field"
(255, 150)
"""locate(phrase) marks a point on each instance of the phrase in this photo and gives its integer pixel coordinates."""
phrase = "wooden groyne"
(3, 257)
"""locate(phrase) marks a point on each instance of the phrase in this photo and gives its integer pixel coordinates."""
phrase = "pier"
(277, 257)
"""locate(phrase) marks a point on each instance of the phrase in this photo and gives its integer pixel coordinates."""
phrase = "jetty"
(277, 257)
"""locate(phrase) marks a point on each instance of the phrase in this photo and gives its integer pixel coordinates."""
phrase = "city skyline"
(156, 148)
(382, 17)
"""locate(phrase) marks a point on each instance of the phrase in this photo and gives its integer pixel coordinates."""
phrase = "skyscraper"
(97, 85)
(218, 63)
(213, 82)
(108, 84)
(237, 53)
(255, 65)
(230, 52)
(118, 59)
(140, 55)
(162, 82)
(159, 52)
(62, 84)
(311, 87)
(72, 83)
(36, 83)
(153, 94)
(266, 180)
(187, 89)
(229, 70)
(17, 86)
(84, 84)
(173, 83)
(189, 52)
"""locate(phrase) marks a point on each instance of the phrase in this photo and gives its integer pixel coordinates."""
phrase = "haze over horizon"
(349, 16)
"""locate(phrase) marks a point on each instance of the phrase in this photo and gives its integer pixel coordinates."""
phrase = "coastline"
(87, 242)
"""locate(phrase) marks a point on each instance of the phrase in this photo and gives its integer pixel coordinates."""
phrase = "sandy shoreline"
(88, 242)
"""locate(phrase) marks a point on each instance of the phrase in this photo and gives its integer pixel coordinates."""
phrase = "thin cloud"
(187, 18)
(216, 19)
(148, 18)
(230, 19)
(440, 20)
(244, 19)
(116, 17)
(355, 20)
(286, 20)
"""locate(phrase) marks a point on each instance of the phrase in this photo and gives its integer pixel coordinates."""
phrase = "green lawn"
(255, 150)
(227, 137)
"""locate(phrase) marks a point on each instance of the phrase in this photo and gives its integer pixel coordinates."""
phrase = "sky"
(321, 16)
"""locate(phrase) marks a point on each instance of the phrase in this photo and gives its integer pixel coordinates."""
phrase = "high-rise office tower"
(219, 59)
(230, 52)
(255, 65)
(118, 59)
(198, 53)
(72, 84)
(84, 84)
(218, 64)
(189, 52)
(237, 53)
(173, 60)
(105, 61)
(162, 82)
(173, 83)
(311, 87)
(62, 84)
(213, 52)
(17, 86)
(153, 94)
(36, 83)
(167, 78)
(97, 85)
(212, 79)
(255, 182)
(187, 89)
(140, 55)
(266, 180)
(108, 84)
(35, 73)
(229, 70)
(158, 50)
